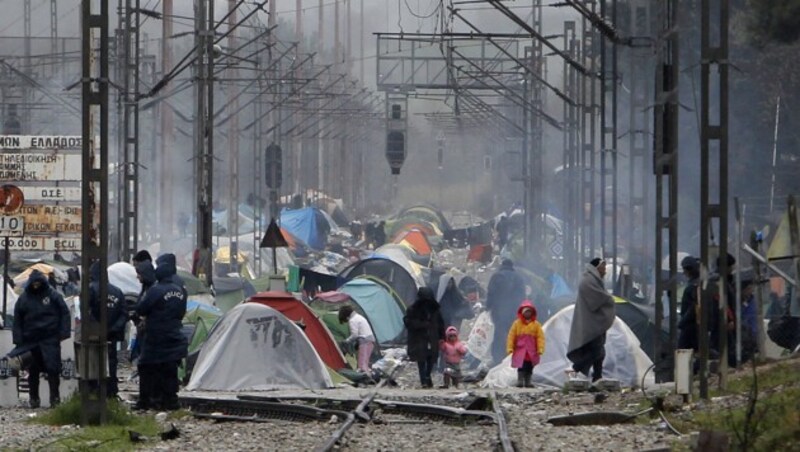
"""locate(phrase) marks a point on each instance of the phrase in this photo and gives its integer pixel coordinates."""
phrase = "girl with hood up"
(525, 343)
(425, 329)
(454, 351)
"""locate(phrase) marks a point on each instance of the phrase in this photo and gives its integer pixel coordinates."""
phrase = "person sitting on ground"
(454, 351)
(525, 343)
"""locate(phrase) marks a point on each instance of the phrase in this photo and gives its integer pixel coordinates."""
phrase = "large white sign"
(40, 142)
(31, 167)
(51, 194)
(41, 243)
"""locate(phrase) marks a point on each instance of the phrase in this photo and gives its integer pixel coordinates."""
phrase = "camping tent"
(402, 256)
(255, 347)
(299, 312)
(425, 213)
(625, 360)
(381, 309)
(416, 239)
(308, 224)
(388, 271)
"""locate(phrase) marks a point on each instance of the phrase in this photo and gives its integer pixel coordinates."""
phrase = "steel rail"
(505, 440)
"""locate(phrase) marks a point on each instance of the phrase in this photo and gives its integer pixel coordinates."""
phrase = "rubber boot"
(520, 379)
(526, 379)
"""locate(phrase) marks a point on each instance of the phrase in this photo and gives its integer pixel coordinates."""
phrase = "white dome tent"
(625, 360)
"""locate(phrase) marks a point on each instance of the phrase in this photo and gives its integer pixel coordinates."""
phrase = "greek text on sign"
(52, 194)
(48, 219)
(40, 142)
(11, 225)
(40, 243)
(40, 167)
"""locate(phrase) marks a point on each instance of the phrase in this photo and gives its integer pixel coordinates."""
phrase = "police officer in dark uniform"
(117, 317)
(164, 346)
(41, 322)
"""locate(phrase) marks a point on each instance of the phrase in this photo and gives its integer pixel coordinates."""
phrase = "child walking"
(453, 351)
(525, 343)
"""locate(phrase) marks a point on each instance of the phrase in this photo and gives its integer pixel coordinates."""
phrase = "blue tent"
(379, 306)
(308, 225)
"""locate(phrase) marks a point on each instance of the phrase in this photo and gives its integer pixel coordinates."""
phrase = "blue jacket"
(117, 315)
(41, 319)
(163, 307)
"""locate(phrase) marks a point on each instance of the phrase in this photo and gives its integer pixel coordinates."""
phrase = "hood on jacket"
(450, 330)
(147, 272)
(165, 266)
(94, 271)
(523, 305)
(36, 275)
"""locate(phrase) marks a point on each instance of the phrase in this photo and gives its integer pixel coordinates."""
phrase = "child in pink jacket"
(525, 343)
(454, 351)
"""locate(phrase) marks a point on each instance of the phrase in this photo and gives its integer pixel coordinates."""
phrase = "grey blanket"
(594, 310)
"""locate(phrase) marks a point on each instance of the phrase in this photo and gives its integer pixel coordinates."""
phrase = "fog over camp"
(399, 224)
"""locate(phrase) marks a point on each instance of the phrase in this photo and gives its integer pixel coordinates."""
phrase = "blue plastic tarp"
(560, 287)
(302, 223)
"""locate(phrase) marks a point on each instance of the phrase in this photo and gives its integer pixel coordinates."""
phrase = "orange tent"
(417, 240)
(316, 331)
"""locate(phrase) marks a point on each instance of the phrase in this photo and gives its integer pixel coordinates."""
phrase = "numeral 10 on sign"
(11, 226)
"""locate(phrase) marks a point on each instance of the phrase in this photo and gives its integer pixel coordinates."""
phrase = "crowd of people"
(433, 323)
(42, 321)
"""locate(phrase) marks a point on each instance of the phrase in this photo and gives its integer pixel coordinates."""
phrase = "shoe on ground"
(55, 401)
(34, 403)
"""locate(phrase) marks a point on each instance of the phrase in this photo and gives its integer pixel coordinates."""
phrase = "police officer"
(116, 316)
(41, 322)
(164, 346)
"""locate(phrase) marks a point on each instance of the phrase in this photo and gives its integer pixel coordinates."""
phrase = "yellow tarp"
(223, 255)
(781, 245)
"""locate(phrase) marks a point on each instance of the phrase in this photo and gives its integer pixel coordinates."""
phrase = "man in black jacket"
(163, 307)
(425, 329)
(41, 322)
(116, 316)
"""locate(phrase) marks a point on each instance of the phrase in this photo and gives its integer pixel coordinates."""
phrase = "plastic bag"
(479, 341)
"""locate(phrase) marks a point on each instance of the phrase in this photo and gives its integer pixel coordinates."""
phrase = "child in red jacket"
(454, 351)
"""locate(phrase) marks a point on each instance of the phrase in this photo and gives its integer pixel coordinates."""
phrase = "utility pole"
(204, 135)
(608, 140)
(233, 147)
(666, 169)
(361, 42)
(165, 215)
(129, 193)
(639, 83)
(54, 35)
(588, 127)
(27, 93)
(92, 352)
(714, 199)
(571, 157)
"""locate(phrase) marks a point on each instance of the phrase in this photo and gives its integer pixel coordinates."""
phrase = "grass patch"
(773, 422)
(113, 436)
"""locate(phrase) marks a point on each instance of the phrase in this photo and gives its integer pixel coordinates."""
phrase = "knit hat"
(596, 262)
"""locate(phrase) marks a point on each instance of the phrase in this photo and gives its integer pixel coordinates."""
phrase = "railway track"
(369, 411)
